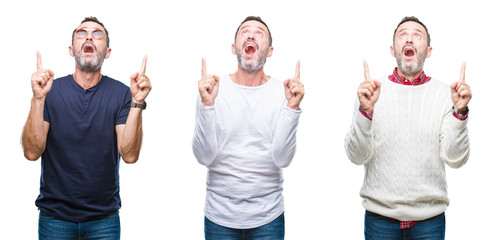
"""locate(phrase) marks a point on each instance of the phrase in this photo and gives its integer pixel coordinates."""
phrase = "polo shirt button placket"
(86, 102)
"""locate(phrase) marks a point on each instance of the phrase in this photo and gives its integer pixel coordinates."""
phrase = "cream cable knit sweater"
(404, 148)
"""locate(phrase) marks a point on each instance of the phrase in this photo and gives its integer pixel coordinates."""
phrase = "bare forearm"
(34, 132)
(131, 139)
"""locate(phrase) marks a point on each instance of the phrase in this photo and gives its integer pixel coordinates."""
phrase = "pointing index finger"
(462, 74)
(204, 68)
(39, 64)
(144, 65)
(298, 70)
(366, 72)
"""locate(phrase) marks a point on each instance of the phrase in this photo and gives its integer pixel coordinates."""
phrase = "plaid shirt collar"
(396, 78)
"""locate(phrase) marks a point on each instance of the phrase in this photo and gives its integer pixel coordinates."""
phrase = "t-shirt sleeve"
(46, 115)
(125, 108)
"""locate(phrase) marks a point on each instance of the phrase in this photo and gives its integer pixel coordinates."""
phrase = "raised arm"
(205, 136)
(359, 142)
(284, 138)
(130, 134)
(455, 145)
(36, 129)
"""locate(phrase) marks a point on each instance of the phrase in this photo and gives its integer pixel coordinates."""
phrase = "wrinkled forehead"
(90, 25)
(411, 26)
(255, 25)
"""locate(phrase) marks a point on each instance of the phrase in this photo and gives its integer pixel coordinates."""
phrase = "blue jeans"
(275, 230)
(378, 227)
(107, 227)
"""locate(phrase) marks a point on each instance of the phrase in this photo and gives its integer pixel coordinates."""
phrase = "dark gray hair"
(412, 19)
(258, 19)
(93, 19)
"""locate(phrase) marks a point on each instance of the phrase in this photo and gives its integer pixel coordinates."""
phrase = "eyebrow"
(246, 26)
(406, 29)
(87, 28)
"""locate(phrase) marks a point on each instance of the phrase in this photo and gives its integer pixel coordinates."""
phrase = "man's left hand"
(140, 84)
(294, 89)
(460, 91)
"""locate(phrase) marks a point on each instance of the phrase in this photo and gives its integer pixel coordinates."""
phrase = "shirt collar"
(396, 78)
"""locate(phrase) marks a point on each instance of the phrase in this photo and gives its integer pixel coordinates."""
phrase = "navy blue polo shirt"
(80, 164)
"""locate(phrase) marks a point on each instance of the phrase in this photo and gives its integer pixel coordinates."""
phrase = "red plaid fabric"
(368, 116)
(395, 77)
(404, 224)
(408, 224)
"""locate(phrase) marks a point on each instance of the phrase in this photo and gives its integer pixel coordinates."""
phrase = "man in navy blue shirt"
(80, 124)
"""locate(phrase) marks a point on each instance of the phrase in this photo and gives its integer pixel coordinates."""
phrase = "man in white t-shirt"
(245, 133)
(405, 128)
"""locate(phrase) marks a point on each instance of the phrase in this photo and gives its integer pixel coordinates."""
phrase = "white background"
(163, 194)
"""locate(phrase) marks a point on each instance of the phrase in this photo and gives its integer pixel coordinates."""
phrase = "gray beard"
(91, 66)
(413, 69)
(253, 67)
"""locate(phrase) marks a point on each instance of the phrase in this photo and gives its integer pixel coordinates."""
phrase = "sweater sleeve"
(359, 142)
(284, 137)
(453, 140)
(205, 137)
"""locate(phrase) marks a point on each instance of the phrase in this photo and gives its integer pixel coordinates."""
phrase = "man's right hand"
(41, 80)
(208, 86)
(368, 91)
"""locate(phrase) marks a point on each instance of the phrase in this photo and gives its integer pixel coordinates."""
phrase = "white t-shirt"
(244, 140)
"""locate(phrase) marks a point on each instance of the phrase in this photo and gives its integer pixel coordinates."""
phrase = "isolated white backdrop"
(163, 194)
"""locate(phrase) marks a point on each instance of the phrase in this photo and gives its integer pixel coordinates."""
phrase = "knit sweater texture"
(405, 147)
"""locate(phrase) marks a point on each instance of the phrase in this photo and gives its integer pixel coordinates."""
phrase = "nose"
(251, 35)
(89, 36)
(409, 39)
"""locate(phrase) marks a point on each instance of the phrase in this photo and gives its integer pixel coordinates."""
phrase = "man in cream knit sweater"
(245, 134)
(405, 128)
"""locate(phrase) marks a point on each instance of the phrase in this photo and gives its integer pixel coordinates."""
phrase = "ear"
(233, 49)
(70, 50)
(108, 52)
(392, 49)
(429, 51)
(270, 51)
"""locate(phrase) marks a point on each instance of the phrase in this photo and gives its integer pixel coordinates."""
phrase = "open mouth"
(88, 48)
(249, 48)
(409, 51)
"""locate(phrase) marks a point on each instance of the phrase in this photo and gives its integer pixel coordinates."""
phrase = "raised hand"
(208, 86)
(368, 91)
(140, 85)
(41, 80)
(294, 89)
(460, 91)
